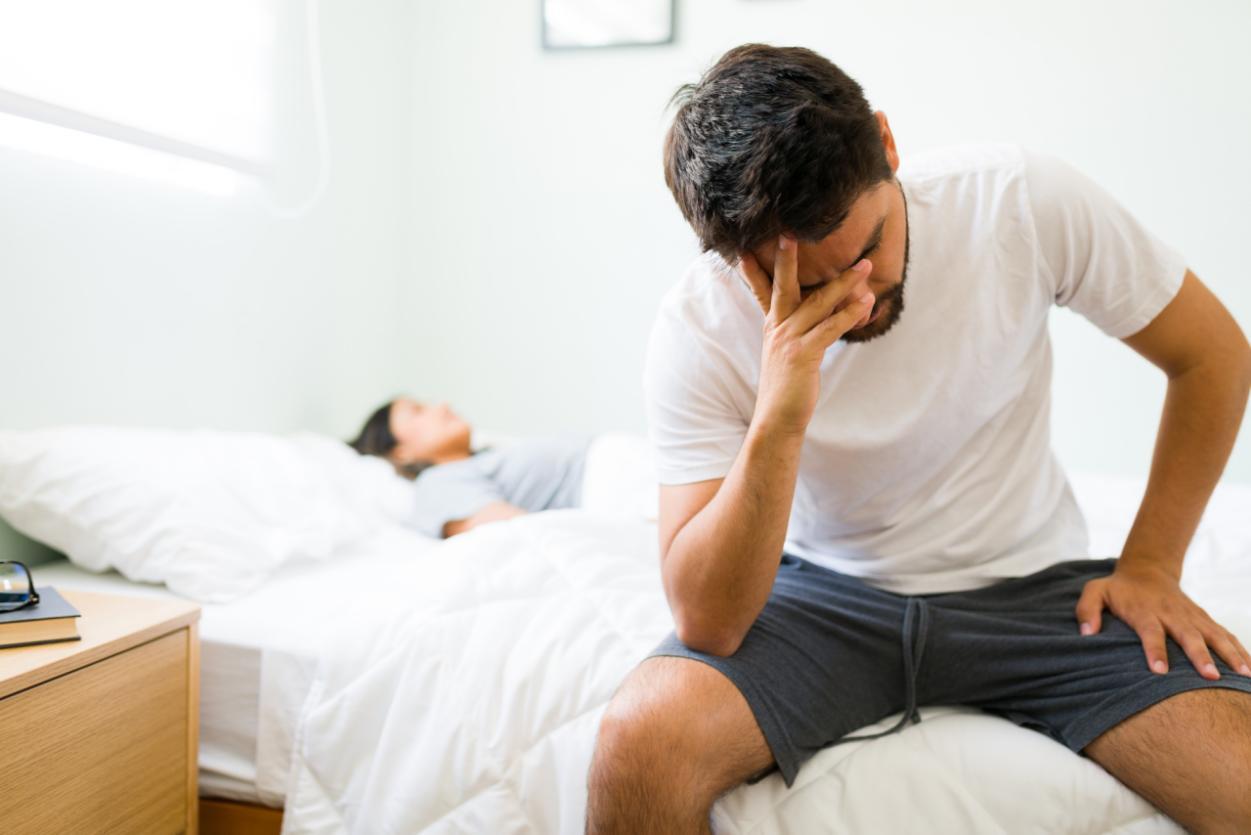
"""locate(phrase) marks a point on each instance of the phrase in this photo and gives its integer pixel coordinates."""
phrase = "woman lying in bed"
(459, 487)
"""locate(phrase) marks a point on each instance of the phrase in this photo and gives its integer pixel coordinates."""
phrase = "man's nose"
(860, 288)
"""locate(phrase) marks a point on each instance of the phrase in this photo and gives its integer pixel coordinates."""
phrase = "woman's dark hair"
(375, 438)
(770, 139)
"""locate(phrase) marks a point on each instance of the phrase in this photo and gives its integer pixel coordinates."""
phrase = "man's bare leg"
(676, 736)
(1189, 756)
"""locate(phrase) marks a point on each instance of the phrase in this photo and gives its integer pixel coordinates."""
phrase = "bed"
(409, 685)
(258, 655)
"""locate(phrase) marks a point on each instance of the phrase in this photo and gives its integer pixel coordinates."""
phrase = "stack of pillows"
(209, 513)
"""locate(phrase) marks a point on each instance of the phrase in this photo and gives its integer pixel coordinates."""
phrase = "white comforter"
(476, 710)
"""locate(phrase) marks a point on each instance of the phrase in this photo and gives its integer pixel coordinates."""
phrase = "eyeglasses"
(17, 587)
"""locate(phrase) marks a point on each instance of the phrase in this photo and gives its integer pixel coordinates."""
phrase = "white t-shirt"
(927, 466)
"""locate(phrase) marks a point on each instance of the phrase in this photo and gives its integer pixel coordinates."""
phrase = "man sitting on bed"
(860, 510)
(456, 487)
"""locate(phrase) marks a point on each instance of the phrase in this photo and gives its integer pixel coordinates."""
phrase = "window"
(182, 90)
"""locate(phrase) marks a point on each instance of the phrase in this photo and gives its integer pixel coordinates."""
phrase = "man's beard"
(893, 298)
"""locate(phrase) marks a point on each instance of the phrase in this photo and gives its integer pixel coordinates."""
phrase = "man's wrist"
(764, 426)
(1142, 563)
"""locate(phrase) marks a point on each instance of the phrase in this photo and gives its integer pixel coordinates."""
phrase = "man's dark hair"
(375, 438)
(770, 139)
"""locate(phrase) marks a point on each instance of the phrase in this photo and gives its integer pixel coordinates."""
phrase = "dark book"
(52, 619)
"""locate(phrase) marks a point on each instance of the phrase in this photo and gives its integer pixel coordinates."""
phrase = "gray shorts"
(830, 654)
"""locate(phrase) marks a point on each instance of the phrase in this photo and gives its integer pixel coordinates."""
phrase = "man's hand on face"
(798, 330)
(1151, 602)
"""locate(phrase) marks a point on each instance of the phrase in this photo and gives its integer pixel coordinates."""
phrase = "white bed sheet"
(257, 654)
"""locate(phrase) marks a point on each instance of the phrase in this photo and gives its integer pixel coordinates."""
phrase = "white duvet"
(476, 710)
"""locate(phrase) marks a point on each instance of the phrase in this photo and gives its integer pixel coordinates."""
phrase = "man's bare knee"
(698, 711)
(675, 736)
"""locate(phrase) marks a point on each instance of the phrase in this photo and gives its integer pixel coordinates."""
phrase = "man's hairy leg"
(676, 736)
(1189, 756)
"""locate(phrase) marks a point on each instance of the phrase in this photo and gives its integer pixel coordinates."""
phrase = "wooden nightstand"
(101, 735)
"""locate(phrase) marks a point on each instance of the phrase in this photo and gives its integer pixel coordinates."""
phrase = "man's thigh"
(823, 659)
(1014, 649)
(1189, 755)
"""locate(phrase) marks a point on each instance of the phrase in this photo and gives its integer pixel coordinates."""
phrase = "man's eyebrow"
(874, 240)
(875, 237)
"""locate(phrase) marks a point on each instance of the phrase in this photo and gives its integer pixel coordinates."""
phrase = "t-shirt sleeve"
(448, 492)
(694, 428)
(1100, 261)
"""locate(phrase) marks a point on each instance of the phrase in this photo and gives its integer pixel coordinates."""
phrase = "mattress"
(257, 654)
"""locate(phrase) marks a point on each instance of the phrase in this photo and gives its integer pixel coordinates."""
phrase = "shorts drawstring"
(913, 650)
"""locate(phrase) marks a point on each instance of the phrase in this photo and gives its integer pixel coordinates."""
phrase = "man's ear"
(888, 141)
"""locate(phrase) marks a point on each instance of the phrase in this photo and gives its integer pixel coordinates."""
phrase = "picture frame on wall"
(591, 24)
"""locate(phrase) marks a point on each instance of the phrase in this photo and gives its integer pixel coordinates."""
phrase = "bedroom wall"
(129, 302)
(543, 235)
(497, 232)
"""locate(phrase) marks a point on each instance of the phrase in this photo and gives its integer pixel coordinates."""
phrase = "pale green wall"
(14, 546)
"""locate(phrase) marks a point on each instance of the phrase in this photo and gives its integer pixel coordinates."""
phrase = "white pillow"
(620, 476)
(211, 514)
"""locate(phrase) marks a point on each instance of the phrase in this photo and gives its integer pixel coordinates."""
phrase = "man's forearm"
(1202, 411)
(720, 567)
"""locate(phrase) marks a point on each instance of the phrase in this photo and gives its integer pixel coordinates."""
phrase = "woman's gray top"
(533, 474)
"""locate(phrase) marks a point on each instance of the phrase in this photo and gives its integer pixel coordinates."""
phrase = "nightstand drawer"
(102, 748)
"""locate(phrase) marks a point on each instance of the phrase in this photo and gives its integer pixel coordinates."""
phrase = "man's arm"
(721, 541)
(718, 565)
(1199, 345)
(491, 513)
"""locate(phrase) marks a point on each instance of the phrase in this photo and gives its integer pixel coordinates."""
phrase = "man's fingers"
(829, 329)
(1090, 607)
(824, 302)
(1196, 649)
(756, 280)
(785, 277)
(1152, 637)
(1245, 667)
(1222, 644)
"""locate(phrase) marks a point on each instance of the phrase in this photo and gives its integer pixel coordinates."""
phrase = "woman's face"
(427, 433)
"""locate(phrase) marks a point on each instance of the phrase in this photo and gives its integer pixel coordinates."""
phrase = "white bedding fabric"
(211, 514)
(408, 685)
(257, 650)
(476, 711)
(258, 653)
